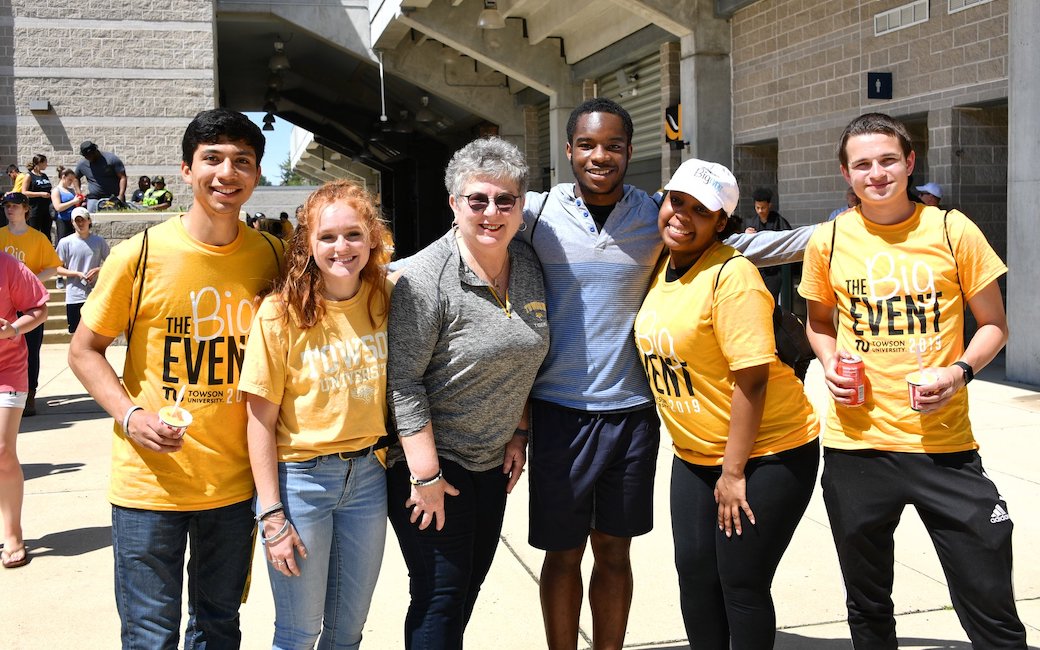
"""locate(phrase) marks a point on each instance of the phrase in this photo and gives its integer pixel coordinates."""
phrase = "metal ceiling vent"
(892, 20)
(961, 5)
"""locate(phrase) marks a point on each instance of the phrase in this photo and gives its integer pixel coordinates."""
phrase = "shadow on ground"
(61, 412)
(37, 470)
(68, 543)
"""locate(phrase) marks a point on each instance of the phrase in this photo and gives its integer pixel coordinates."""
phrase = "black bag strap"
(277, 258)
(139, 271)
(538, 216)
(719, 275)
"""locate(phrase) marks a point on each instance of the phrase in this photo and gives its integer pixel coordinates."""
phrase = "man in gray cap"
(929, 194)
(105, 172)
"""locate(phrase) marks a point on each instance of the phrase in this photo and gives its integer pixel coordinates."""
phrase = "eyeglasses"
(478, 201)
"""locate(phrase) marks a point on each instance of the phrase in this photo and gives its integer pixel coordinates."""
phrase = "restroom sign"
(879, 85)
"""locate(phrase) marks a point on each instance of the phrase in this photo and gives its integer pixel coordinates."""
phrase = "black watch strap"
(969, 374)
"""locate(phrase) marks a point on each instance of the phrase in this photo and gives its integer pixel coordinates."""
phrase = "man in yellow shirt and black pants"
(899, 275)
(182, 292)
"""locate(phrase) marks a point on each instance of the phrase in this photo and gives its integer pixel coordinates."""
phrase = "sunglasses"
(478, 202)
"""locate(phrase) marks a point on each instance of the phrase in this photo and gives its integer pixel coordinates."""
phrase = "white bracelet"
(126, 418)
(15, 328)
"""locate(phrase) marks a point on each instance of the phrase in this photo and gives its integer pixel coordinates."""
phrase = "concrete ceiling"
(433, 49)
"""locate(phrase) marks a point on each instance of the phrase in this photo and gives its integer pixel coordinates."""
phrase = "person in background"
(272, 226)
(38, 191)
(315, 425)
(23, 307)
(17, 178)
(65, 198)
(30, 247)
(143, 185)
(174, 490)
(81, 254)
(743, 432)
(765, 219)
(286, 225)
(105, 174)
(157, 198)
(467, 329)
(930, 194)
(851, 201)
(907, 444)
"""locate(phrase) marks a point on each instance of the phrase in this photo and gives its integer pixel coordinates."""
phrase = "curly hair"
(301, 285)
(490, 157)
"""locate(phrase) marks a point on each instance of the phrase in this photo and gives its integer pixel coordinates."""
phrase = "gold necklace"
(507, 306)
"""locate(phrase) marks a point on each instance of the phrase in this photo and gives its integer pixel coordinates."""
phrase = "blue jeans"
(447, 567)
(149, 553)
(338, 508)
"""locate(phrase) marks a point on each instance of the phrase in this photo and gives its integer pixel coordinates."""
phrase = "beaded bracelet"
(424, 482)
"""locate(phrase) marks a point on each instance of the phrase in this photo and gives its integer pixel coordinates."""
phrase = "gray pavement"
(64, 599)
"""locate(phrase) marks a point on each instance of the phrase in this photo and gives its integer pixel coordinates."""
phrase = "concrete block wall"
(980, 171)
(127, 74)
(799, 76)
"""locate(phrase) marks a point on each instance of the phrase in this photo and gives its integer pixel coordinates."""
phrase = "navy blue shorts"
(590, 471)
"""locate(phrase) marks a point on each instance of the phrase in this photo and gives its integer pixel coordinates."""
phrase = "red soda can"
(852, 367)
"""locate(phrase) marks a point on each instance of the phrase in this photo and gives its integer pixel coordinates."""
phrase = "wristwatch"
(969, 374)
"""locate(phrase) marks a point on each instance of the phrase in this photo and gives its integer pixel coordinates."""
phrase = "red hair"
(300, 287)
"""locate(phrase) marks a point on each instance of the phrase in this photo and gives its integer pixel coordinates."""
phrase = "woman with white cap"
(745, 457)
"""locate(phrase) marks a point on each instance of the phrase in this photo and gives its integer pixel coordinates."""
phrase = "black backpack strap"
(277, 258)
(139, 272)
(538, 216)
(719, 274)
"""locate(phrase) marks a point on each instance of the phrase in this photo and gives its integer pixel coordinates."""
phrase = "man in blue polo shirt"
(594, 427)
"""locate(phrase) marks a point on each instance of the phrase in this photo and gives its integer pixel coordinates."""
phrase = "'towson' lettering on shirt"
(207, 347)
(668, 375)
(347, 365)
(898, 298)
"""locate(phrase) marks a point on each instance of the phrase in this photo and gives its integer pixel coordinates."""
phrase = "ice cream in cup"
(176, 418)
(914, 381)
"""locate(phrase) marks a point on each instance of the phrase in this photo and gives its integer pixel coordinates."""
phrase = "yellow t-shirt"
(692, 336)
(19, 182)
(193, 317)
(329, 380)
(287, 230)
(31, 248)
(898, 293)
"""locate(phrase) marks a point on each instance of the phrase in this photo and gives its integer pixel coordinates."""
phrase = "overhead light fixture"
(424, 115)
(274, 80)
(268, 122)
(271, 95)
(279, 61)
(490, 18)
(270, 107)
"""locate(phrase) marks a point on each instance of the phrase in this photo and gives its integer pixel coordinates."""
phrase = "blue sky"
(277, 148)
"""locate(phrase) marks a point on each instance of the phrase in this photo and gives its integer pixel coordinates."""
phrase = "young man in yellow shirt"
(182, 292)
(899, 276)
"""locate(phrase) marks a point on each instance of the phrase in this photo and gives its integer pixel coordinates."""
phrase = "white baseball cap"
(931, 188)
(80, 212)
(710, 183)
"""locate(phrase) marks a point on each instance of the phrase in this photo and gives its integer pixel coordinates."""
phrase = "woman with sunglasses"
(467, 332)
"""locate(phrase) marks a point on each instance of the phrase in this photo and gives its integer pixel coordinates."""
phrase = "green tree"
(289, 175)
(264, 182)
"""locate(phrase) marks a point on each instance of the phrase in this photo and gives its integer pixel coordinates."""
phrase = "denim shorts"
(12, 399)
